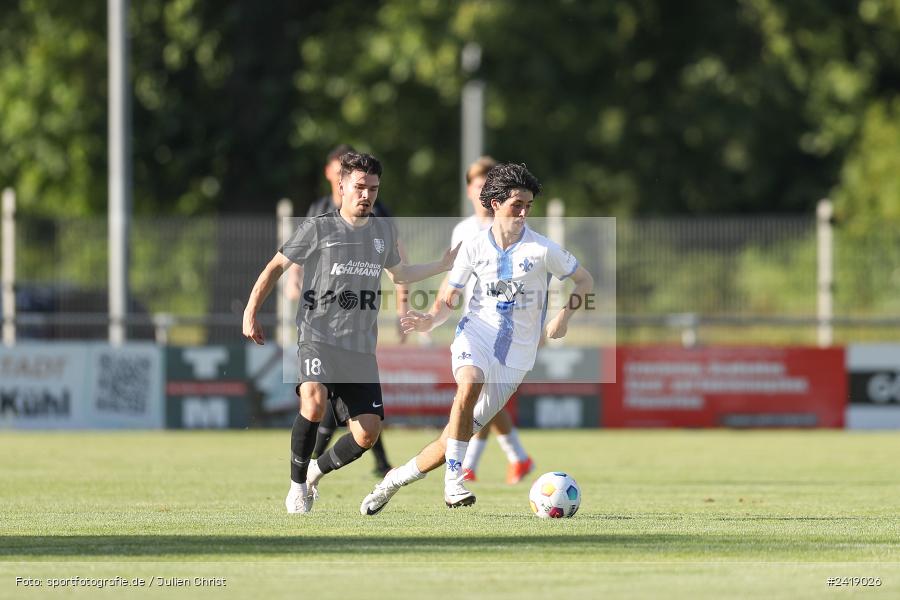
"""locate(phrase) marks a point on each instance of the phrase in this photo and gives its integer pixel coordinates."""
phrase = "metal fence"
(734, 279)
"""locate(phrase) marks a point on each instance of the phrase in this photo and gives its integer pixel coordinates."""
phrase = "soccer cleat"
(375, 502)
(299, 499)
(469, 475)
(312, 490)
(517, 471)
(457, 495)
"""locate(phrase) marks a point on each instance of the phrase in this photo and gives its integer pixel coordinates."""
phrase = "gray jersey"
(341, 292)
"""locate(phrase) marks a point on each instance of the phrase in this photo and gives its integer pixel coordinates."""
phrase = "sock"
(473, 453)
(326, 431)
(381, 461)
(303, 437)
(404, 475)
(512, 446)
(344, 452)
(313, 473)
(323, 438)
(456, 452)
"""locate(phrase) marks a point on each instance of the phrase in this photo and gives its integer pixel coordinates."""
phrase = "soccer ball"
(554, 495)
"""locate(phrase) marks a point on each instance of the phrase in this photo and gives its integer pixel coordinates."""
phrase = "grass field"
(665, 514)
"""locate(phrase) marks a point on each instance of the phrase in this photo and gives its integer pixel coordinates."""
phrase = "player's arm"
(402, 295)
(404, 273)
(447, 300)
(264, 285)
(584, 285)
(294, 282)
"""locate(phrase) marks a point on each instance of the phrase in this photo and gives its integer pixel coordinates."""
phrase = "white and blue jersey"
(508, 307)
(464, 230)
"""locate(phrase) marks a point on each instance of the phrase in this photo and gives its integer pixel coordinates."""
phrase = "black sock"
(325, 432)
(323, 438)
(381, 460)
(344, 452)
(303, 437)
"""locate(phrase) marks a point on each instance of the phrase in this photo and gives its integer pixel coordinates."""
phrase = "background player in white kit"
(520, 464)
(496, 341)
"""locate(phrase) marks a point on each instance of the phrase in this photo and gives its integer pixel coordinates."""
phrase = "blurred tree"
(52, 95)
(620, 107)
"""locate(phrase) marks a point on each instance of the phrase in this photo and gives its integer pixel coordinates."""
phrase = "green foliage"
(867, 206)
(868, 197)
(623, 107)
(172, 259)
(52, 102)
(778, 279)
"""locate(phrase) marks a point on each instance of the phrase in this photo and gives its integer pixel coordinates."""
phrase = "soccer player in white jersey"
(496, 341)
(520, 464)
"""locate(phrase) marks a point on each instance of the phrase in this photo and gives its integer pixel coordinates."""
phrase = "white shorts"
(500, 381)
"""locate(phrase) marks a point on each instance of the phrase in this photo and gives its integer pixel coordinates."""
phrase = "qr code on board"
(123, 384)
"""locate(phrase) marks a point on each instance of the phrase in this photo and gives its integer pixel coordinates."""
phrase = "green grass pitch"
(665, 514)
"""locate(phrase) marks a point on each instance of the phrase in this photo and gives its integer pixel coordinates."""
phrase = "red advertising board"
(416, 381)
(417, 384)
(726, 387)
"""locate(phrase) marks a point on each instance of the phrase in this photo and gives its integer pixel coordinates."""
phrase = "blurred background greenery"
(622, 107)
(638, 109)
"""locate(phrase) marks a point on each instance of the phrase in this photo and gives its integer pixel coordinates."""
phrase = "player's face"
(512, 213)
(333, 175)
(473, 191)
(358, 192)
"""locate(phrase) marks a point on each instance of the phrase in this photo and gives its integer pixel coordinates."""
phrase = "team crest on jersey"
(527, 265)
(379, 245)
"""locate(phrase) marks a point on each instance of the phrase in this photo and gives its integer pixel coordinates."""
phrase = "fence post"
(8, 277)
(471, 142)
(825, 279)
(556, 231)
(285, 212)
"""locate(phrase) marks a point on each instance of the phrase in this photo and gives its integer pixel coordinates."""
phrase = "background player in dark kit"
(344, 253)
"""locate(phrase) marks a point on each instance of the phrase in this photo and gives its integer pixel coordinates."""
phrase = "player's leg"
(467, 354)
(473, 453)
(313, 397)
(470, 381)
(325, 432)
(361, 407)
(382, 466)
(364, 430)
(428, 459)
(520, 464)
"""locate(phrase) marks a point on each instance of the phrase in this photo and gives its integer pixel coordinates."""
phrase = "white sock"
(299, 488)
(313, 474)
(473, 453)
(512, 446)
(404, 474)
(456, 452)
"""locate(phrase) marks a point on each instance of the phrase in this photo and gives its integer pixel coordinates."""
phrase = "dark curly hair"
(368, 164)
(503, 179)
(338, 151)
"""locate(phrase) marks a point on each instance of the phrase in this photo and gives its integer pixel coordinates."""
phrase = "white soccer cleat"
(456, 495)
(378, 499)
(299, 499)
(312, 490)
(313, 477)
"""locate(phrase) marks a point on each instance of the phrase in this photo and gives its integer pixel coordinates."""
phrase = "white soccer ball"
(554, 496)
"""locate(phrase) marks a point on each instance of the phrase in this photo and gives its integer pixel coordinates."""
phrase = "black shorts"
(350, 377)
